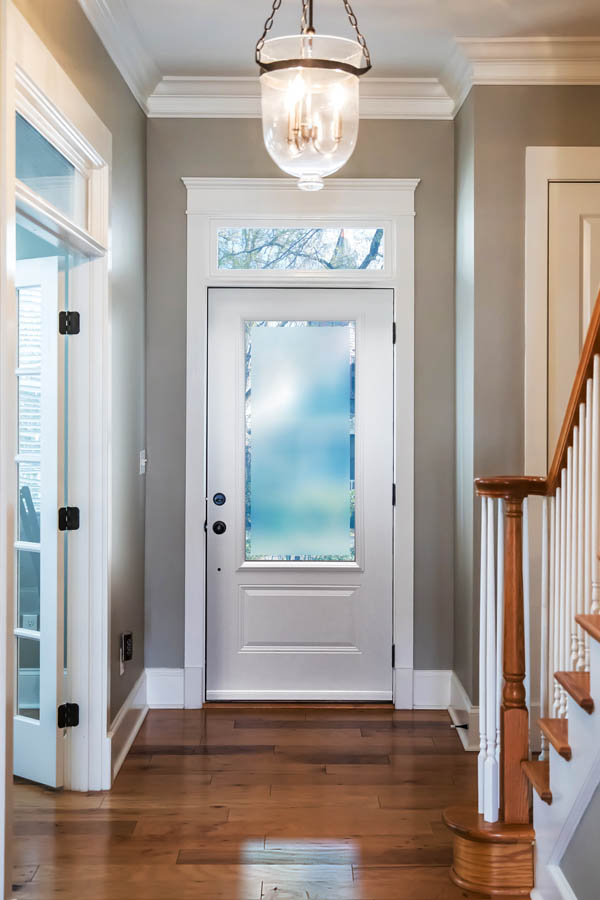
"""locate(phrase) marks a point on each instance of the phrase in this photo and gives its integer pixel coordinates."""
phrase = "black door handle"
(219, 528)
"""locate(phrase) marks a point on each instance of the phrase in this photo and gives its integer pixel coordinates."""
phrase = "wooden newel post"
(514, 718)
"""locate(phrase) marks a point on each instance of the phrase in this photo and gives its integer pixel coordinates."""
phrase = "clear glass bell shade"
(310, 115)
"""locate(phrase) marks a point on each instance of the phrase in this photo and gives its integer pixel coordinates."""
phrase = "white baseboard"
(165, 688)
(562, 885)
(126, 725)
(432, 688)
(463, 712)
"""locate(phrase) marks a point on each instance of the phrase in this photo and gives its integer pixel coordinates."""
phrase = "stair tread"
(577, 685)
(538, 774)
(591, 624)
(557, 732)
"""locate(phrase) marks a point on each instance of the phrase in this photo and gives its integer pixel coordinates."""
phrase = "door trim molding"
(347, 201)
(35, 78)
(542, 166)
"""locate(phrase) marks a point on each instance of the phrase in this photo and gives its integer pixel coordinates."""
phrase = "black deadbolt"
(219, 499)
(219, 528)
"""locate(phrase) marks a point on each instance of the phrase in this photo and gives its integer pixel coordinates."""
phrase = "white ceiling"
(406, 37)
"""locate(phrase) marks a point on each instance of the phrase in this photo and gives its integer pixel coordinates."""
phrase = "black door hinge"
(68, 518)
(393, 495)
(68, 322)
(393, 656)
(393, 332)
(68, 715)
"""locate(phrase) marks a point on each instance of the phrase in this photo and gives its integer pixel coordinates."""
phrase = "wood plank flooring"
(247, 803)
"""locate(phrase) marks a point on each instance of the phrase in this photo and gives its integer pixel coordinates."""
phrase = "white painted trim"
(564, 888)
(542, 166)
(165, 688)
(533, 60)
(432, 688)
(8, 432)
(348, 200)
(403, 687)
(37, 79)
(193, 687)
(293, 696)
(529, 60)
(463, 712)
(125, 726)
(115, 27)
(212, 97)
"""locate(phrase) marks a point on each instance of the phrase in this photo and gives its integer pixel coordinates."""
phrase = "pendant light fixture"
(309, 90)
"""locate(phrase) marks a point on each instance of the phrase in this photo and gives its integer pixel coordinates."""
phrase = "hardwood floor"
(245, 803)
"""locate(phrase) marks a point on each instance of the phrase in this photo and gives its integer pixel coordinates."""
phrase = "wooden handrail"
(511, 487)
(584, 371)
(521, 486)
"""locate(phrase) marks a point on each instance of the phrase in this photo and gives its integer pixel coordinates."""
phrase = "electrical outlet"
(125, 650)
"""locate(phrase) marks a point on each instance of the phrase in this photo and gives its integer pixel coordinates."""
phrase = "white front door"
(40, 547)
(573, 284)
(300, 478)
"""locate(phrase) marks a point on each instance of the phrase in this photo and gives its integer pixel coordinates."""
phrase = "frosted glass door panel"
(300, 441)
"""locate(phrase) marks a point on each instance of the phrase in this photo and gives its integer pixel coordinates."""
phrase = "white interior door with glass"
(300, 482)
(40, 547)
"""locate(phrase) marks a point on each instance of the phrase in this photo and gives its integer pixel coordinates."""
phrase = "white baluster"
(554, 637)
(571, 633)
(595, 483)
(580, 602)
(499, 628)
(588, 513)
(546, 562)
(526, 605)
(564, 580)
(491, 765)
(482, 667)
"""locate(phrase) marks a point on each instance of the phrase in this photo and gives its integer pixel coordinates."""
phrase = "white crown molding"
(535, 60)
(239, 97)
(115, 27)
(485, 61)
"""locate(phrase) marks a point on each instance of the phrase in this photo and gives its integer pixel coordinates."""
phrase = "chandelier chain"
(304, 21)
(359, 35)
(268, 25)
(305, 24)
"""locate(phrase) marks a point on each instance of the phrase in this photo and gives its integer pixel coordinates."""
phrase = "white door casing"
(40, 90)
(573, 282)
(543, 166)
(299, 630)
(213, 202)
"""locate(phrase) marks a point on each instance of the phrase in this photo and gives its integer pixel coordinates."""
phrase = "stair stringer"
(573, 784)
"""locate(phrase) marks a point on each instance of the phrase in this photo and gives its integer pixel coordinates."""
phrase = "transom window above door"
(304, 248)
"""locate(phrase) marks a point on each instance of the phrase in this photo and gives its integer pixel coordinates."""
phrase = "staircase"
(538, 773)
(565, 783)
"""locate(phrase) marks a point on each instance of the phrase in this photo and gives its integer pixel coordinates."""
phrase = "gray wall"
(581, 864)
(222, 147)
(505, 120)
(70, 38)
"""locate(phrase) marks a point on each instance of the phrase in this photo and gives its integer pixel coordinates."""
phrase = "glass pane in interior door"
(299, 453)
(28, 678)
